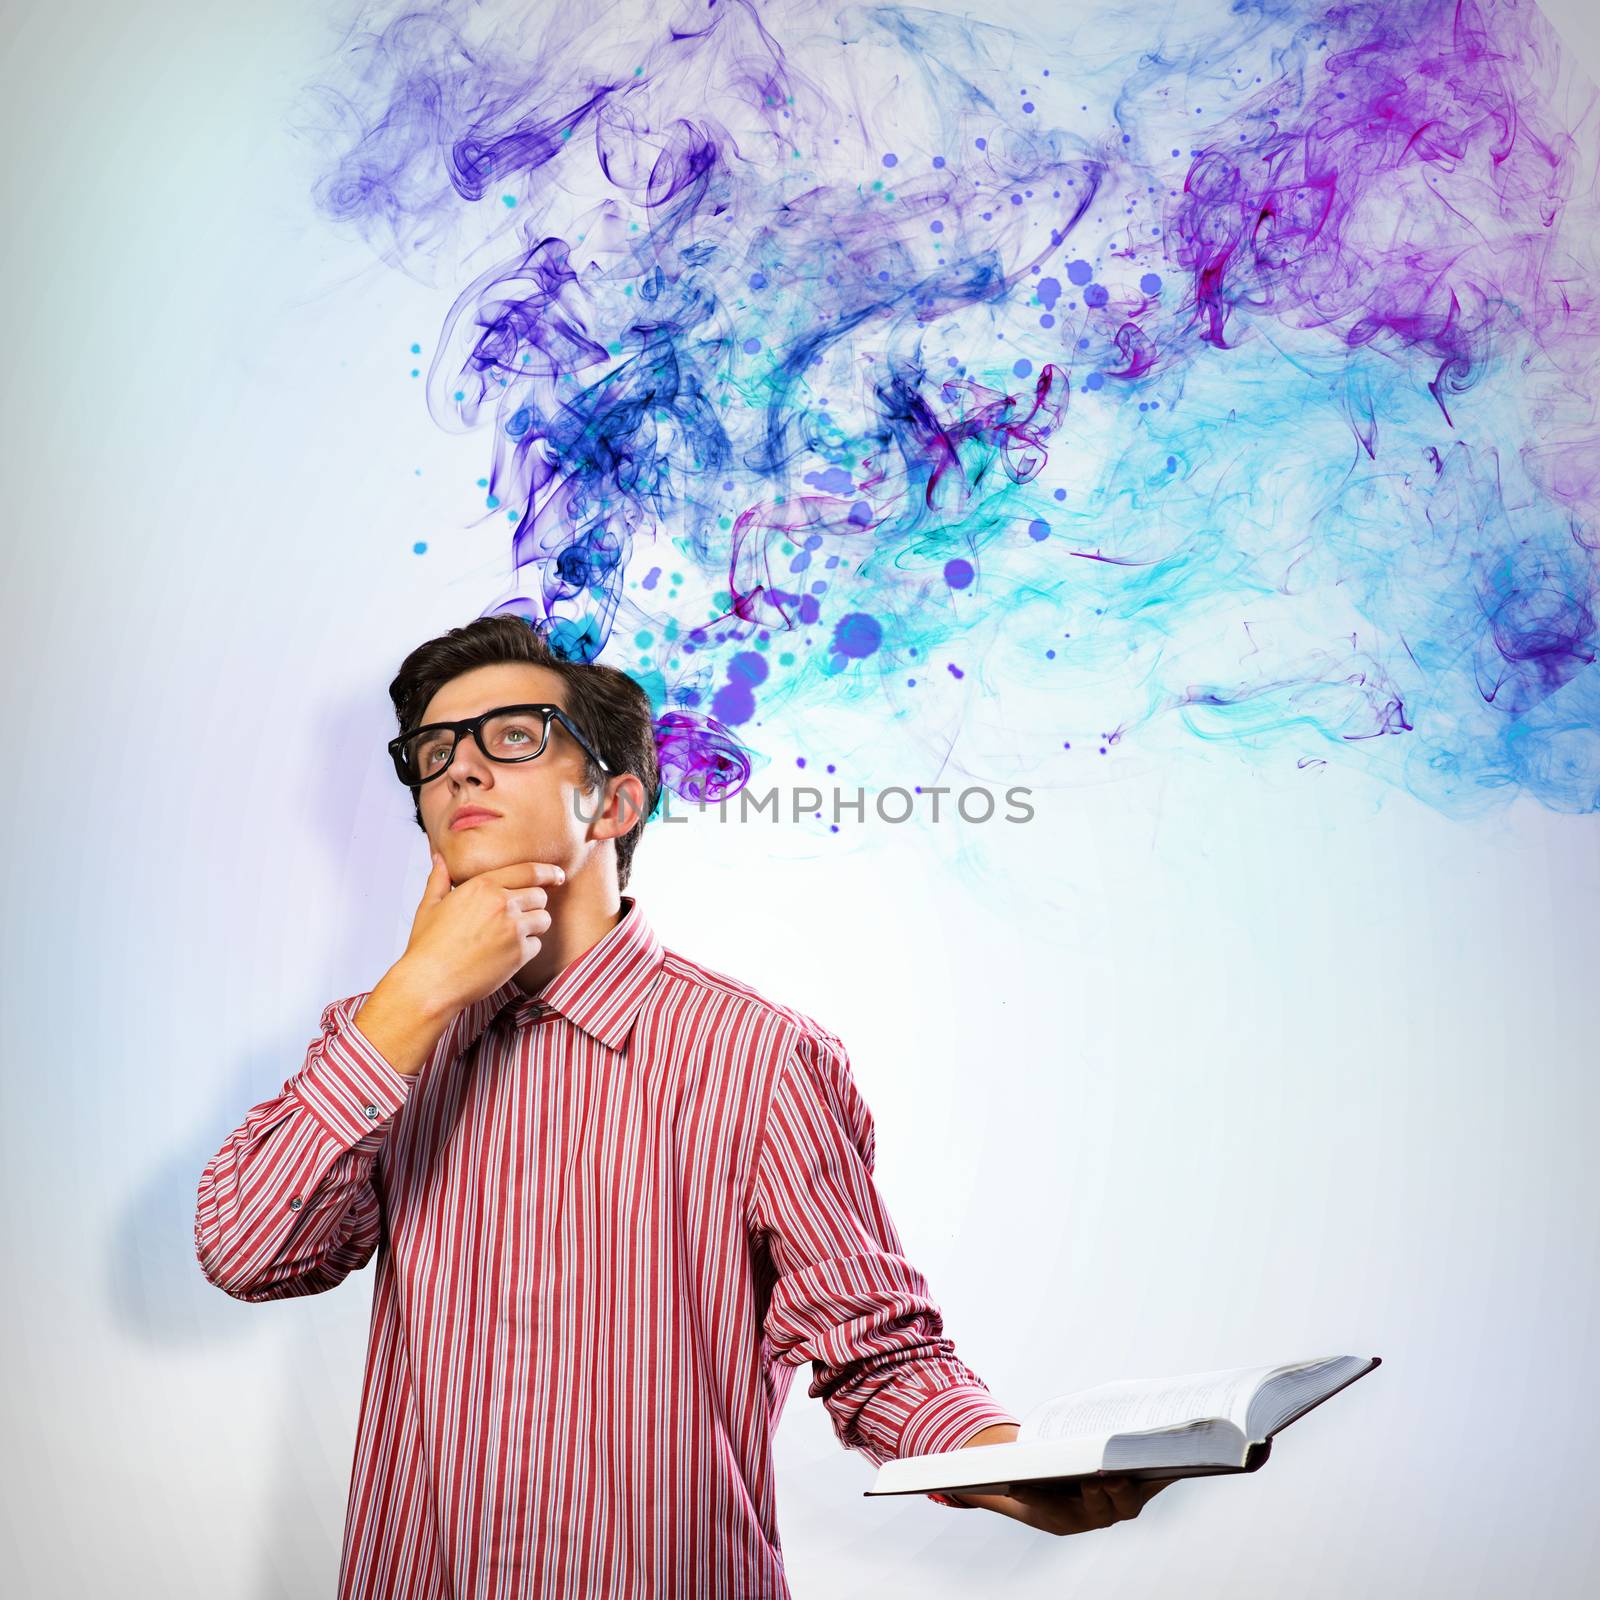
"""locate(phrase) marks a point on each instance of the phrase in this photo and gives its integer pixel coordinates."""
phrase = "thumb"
(438, 885)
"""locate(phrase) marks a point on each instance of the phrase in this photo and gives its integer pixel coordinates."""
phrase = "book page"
(1131, 1404)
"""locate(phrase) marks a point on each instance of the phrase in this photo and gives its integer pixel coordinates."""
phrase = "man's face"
(539, 802)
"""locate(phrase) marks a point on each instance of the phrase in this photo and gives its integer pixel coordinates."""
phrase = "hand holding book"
(1142, 1430)
(1063, 1506)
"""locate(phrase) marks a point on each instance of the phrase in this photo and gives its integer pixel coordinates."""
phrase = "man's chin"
(484, 849)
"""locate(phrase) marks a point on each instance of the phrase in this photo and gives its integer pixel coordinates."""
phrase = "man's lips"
(468, 815)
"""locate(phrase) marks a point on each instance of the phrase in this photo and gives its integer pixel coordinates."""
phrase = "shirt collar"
(601, 992)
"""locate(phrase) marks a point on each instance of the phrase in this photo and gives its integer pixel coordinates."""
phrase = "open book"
(1189, 1427)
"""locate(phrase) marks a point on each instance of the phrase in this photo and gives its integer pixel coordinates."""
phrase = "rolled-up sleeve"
(287, 1206)
(844, 1297)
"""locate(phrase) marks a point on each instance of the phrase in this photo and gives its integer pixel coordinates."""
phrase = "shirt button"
(372, 1111)
(294, 1205)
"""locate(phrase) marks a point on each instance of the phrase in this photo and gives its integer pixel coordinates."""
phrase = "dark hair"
(612, 709)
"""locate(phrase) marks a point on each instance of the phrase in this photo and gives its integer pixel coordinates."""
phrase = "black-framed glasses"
(508, 733)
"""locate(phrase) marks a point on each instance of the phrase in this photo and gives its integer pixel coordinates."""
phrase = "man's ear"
(624, 796)
(629, 795)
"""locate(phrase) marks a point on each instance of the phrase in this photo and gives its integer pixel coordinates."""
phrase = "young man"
(616, 1198)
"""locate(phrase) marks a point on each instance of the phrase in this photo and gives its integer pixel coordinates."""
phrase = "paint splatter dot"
(735, 701)
(857, 635)
(891, 160)
(1150, 283)
(958, 572)
(1079, 272)
(1022, 368)
(1038, 529)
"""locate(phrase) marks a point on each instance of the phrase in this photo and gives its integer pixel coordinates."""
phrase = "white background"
(1196, 1069)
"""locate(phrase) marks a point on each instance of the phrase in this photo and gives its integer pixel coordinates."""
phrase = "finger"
(525, 875)
(1056, 1507)
(438, 884)
(1127, 1496)
(1098, 1510)
(528, 900)
(1154, 1486)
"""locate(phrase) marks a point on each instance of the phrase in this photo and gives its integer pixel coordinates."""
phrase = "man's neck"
(577, 924)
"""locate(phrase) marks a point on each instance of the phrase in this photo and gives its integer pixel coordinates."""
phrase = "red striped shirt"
(610, 1221)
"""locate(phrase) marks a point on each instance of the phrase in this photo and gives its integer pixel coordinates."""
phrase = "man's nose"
(468, 762)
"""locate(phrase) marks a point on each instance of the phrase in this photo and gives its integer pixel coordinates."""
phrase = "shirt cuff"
(348, 1086)
(948, 1418)
(935, 1427)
